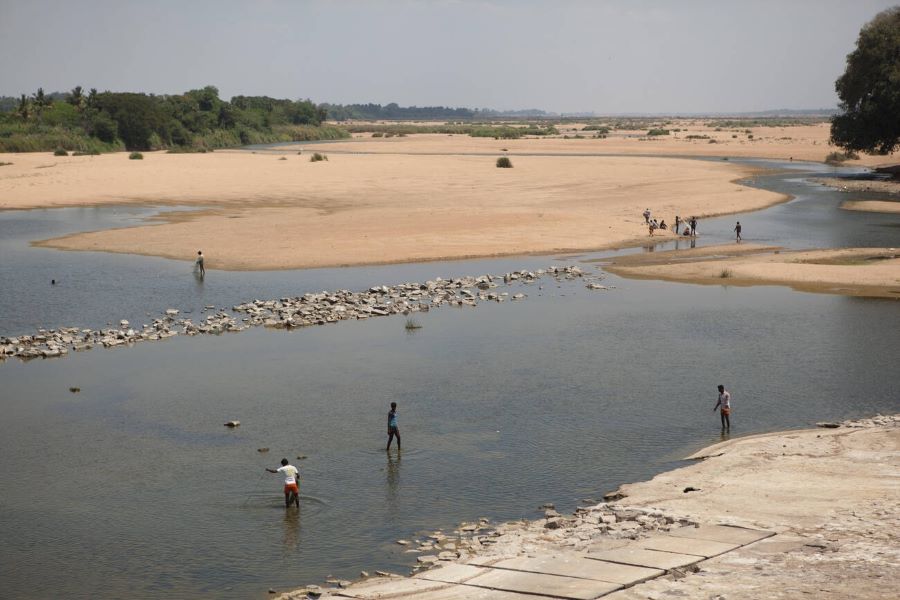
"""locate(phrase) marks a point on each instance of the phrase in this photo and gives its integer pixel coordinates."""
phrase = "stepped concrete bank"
(287, 313)
(811, 513)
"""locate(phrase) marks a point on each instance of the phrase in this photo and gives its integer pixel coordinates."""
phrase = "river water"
(133, 486)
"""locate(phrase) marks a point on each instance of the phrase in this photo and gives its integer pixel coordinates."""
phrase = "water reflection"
(290, 540)
(393, 479)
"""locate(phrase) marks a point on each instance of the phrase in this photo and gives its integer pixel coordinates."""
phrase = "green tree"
(24, 107)
(137, 116)
(40, 102)
(76, 98)
(869, 89)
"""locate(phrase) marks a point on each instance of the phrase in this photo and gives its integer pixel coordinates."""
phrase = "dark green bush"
(136, 156)
(654, 132)
(316, 157)
(60, 152)
(504, 163)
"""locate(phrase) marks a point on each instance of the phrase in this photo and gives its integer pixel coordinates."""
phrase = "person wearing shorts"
(725, 403)
(392, 428)
(291, 477)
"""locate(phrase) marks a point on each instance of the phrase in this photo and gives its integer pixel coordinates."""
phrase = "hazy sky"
(607, 56)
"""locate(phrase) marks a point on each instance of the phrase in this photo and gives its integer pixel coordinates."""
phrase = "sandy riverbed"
(873, 272)
(270, 211)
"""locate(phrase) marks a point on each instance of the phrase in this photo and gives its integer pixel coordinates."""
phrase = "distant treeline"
(394, 112)
(196, 120)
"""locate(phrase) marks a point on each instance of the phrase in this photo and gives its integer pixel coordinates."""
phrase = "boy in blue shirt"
(393, 430)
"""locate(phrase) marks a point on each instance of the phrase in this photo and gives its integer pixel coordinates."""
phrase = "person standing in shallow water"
(392, 428)
(200, 268)
(725, 403)
(737, 231)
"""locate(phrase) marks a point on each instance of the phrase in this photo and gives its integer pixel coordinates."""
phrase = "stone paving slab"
(653, 559)
(390, 587)
(573, 564)
(683, 545)
(722, 533)
(468, 592)
(452, 573)
(544, 585)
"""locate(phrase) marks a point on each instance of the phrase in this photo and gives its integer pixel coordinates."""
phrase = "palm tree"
(76, 98)
(24, 108)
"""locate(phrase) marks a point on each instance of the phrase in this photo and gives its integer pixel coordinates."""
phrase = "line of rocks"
(287, 313)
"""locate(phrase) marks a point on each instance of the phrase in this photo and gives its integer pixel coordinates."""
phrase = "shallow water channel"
(133, 487)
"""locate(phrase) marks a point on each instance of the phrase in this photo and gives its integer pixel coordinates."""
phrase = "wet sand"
(872, 272)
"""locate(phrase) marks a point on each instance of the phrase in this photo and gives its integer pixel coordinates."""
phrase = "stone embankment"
(595, 528)
(287, 313)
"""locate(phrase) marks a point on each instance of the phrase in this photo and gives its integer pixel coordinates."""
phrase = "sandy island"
(824, 503)
(270, 211)
(879, 206)
(873, 272)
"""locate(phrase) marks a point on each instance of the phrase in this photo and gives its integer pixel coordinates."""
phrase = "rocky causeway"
(300, 311)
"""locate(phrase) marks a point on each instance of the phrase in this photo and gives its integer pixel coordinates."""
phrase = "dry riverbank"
(271, 211)
(872, 272)
(808, 512)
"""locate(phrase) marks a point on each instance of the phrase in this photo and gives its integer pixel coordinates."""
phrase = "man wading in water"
(392, 427)
(725, 403)
(291, 476)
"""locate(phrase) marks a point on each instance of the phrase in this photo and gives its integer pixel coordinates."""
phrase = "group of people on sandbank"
(690, 225)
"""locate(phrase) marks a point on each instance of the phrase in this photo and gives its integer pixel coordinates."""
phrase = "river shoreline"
(830, 503)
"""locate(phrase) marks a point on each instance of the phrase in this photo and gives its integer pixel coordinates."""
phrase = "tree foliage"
(869, 89)
(197, 118)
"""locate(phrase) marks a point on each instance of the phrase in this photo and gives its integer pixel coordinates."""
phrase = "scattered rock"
(232, 424)
(828, 425)
(691, 489)
(74, 390)
(262, 449)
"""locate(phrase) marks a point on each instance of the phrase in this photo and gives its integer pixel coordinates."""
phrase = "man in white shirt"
(725, 403)
(291, 477)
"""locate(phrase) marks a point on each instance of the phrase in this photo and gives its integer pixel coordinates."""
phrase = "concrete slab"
(468, 592)
(486, 561)
(683, 545)
(722, 533)
(452, 573)
(544, 585)
(389, 587)
(652, 559)
(573, 564)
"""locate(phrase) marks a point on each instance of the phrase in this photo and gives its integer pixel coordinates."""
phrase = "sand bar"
(257, 211)
(802, 142)
(879, 206)
(873, 272)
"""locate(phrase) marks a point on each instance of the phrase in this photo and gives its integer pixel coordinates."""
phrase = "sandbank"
(872, 272)
(281, 211)
(801, 142)
(879, 206)
(884, 186)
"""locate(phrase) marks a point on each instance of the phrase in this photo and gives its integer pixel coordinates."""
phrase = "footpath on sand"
(783, 515)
